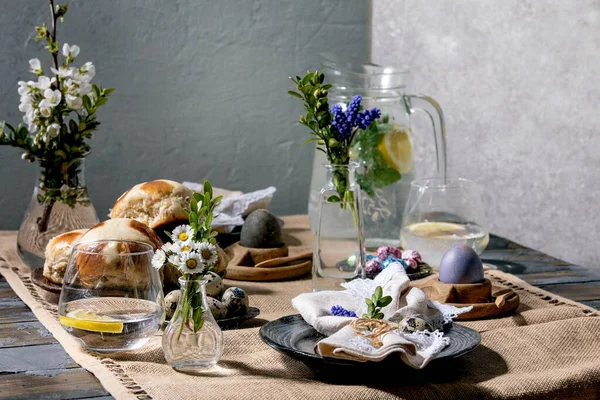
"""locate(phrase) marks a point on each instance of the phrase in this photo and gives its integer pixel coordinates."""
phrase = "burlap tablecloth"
(550, 348)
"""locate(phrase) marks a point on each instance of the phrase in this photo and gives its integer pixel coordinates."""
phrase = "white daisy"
(175, 260)
(182, 233)
(167, 247)
(208, 253)
(159, 258)
(187, 246)
(191, 263)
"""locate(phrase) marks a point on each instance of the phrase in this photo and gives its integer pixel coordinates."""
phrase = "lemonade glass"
(112, 298)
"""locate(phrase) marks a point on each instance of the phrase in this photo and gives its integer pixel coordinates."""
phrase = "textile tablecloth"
(549, 348)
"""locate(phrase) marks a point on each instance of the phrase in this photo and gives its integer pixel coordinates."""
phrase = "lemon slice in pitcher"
(90, 321)
(396, 148)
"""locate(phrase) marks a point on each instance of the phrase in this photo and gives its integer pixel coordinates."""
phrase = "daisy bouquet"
(59, 116)
(193, 251)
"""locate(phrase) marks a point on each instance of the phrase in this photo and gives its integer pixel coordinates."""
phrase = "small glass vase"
(42, 222)
(338, 253)
(192, 346)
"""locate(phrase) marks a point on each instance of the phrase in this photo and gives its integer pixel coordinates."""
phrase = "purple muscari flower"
(353, 109)
(366, 118)
(340, 311)
(340, 123)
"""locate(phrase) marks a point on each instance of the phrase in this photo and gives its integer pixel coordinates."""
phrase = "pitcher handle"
(419, 102)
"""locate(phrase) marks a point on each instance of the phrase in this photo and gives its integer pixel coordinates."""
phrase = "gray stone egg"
(214, 285)
(217, 308)
(261, 230)
(236, 301)
(171, 300)
(461, 264)
(413, 324)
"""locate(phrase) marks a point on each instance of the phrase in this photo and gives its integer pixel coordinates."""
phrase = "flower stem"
(53, 35)
(42, 222)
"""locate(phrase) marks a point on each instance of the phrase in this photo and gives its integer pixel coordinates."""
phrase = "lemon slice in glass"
(396, 148)
(90, 321)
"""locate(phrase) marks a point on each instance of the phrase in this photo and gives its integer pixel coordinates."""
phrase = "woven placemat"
(549, 348)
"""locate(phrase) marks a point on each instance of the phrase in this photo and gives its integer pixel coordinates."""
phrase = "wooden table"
(34, 365)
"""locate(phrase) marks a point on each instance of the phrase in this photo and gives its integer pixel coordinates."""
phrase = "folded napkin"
(235, 205)
(416, 349)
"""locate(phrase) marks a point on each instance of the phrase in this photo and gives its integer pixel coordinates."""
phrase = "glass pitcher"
(386, 156)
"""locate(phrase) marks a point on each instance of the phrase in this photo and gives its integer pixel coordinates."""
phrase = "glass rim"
(436, 182)
(149, 248)
(202, 279)
(379, 70)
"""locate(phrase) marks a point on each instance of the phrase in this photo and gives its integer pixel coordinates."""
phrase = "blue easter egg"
(461, 264)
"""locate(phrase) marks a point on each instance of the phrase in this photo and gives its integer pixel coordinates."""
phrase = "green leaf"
(369, 302)
(333, 199)
(198, 197)
(310, 140)
(207, 189)
(385, 301)
(292, 93)
(378, 316)
(386, 176)
(194, 206)
(73, 126)
(378, 292)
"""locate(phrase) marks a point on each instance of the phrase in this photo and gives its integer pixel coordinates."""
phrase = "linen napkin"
(235, 205)
(416, 349)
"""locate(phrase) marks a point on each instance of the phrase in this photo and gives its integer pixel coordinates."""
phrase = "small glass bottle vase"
(192, 345)
(45, 217)
(338, 249)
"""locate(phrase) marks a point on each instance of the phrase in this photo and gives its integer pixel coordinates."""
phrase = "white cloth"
(343, 342)
(233, 208)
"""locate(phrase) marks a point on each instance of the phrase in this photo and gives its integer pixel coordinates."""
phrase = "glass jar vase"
(192, 344)
(338, 253)
(59, 204)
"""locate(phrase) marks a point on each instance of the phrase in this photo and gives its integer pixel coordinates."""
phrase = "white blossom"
(35, 66)
(44, 82)
(71, 87)
(52, 131)
(26, 104)
(53, 96)
(45, 108)
(74, 102)
(208, 253)
(182, 234)
(190, 263)
(87, 72)
(23, 88)
(85, 88)
(62, 71)
(70, 51)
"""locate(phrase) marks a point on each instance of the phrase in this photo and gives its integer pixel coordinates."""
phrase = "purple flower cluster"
(344, 122)
(340, 311)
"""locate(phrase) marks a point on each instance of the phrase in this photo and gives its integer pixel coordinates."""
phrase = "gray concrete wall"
(519, 82)
(201, 90)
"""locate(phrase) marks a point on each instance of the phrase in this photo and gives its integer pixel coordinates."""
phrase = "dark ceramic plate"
(423, 271)
(232, 322)
(293, 336)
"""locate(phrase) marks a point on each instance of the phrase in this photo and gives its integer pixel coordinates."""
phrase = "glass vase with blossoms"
(338, 252)
(59, 118)
(192, 341)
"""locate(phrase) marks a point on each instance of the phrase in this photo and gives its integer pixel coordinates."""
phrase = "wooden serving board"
(487, 301)
(290, 264)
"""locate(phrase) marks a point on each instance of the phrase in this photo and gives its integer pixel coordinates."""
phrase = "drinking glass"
(111, 298)
(440, 213)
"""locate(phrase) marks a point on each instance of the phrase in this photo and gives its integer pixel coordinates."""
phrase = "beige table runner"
(550, 348)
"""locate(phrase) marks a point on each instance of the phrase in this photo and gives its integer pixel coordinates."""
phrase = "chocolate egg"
(413, 324)
(236, 301)
(217, 308)
(461, 264)
(214, 285)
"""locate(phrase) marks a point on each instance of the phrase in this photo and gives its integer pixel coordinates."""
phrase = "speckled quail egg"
(413, 324)
(214, 285)
(171, 300)
(217, 308)
(236, 301)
